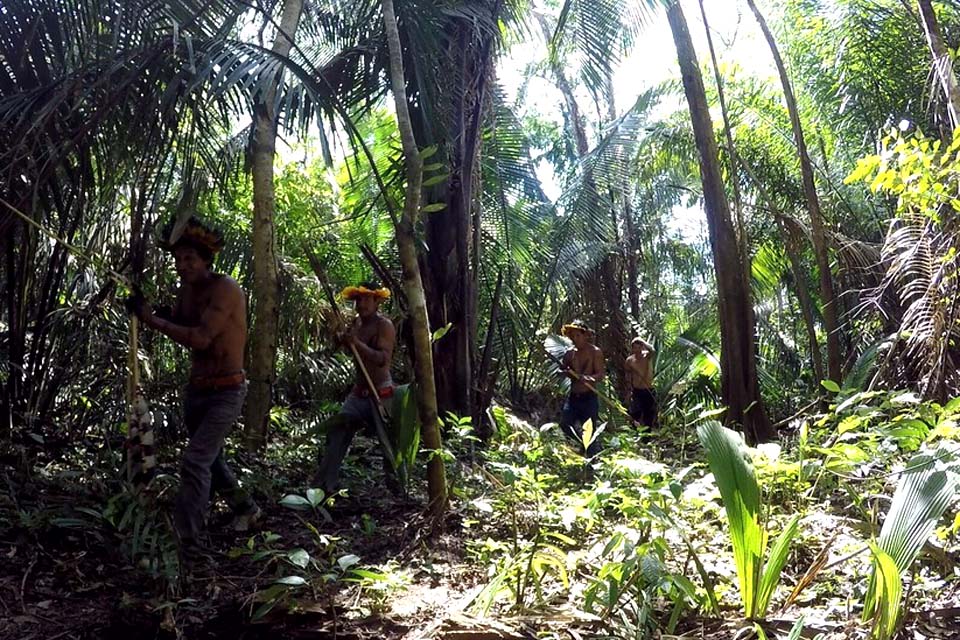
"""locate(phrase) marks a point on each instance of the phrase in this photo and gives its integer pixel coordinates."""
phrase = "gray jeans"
(357, 413)
(209, 416)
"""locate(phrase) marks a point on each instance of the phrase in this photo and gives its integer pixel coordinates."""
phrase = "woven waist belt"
(214, 383)
(363, 391)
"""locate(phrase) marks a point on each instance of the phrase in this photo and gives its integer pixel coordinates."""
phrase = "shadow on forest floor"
(84, 560)
(66, 575)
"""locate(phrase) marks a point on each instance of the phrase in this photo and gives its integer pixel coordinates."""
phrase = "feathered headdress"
(365, 289)
(193, 232)
(576, 325)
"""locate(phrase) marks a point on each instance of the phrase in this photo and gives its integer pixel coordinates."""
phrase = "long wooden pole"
(382, 416)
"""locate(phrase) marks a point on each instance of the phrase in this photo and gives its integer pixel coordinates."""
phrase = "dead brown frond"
(920, 255)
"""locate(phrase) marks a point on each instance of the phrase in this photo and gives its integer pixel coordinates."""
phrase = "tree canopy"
(764, 192)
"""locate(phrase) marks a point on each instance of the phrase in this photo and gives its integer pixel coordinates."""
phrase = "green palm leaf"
(927, 487)
(733, 472)
(775, 563)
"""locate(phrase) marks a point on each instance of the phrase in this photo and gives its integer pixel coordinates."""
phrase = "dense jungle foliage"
(767, 192)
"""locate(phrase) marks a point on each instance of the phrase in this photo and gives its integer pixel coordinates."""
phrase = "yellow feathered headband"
(352, 293)
(576, 325)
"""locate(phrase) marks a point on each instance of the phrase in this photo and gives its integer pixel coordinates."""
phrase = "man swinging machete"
(210, 319)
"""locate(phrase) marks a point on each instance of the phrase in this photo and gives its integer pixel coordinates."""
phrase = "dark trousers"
(357, 413)
(578, 408)
(643, 406)
(209, 416)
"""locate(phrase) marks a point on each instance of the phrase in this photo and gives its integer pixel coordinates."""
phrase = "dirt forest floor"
(68, 537)
(72, 582)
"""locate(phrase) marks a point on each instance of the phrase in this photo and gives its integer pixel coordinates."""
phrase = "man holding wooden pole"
(584, 365)
(371, 339)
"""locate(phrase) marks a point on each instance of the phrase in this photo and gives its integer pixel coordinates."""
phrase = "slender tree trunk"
(806, 302)
(14, 351)
(792, 246)
(728, 136)
(830, 319)
(412, 283)
(569, 100)
(740, 388)
(633, 271)
(486, 380)
(941, 61)
(266, 293)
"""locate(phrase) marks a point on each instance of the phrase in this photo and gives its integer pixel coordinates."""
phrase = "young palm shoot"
(733, 471)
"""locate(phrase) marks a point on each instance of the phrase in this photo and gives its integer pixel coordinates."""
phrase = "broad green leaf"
(926, 488)
(299, 557)
(587, 433)
(270, 596)
(830, 386)
(263, 610)
(442, 331)
(347, 561)
(565, 539)
(952, 407)
(779, 553)
(884, 592)
(433, 207)
(315, 497)
(737, 483)
(406, 425)
(437, 179)
(294, 501)
(850, 423)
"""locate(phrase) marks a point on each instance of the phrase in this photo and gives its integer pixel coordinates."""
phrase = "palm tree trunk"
(412, 283)
(11, 399)
(941, 60)
(791, 244)
(266, 294)
(740, 387)
(830, 320)
(806, 302)
(632, 248)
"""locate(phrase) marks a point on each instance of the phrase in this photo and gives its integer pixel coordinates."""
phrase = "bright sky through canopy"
(736, 37)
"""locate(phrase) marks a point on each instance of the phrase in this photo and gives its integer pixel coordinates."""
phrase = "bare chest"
(193, 304)
(582, 362)
(368, 334)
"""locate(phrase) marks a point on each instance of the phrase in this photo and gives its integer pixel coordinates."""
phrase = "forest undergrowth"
(681, 533)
